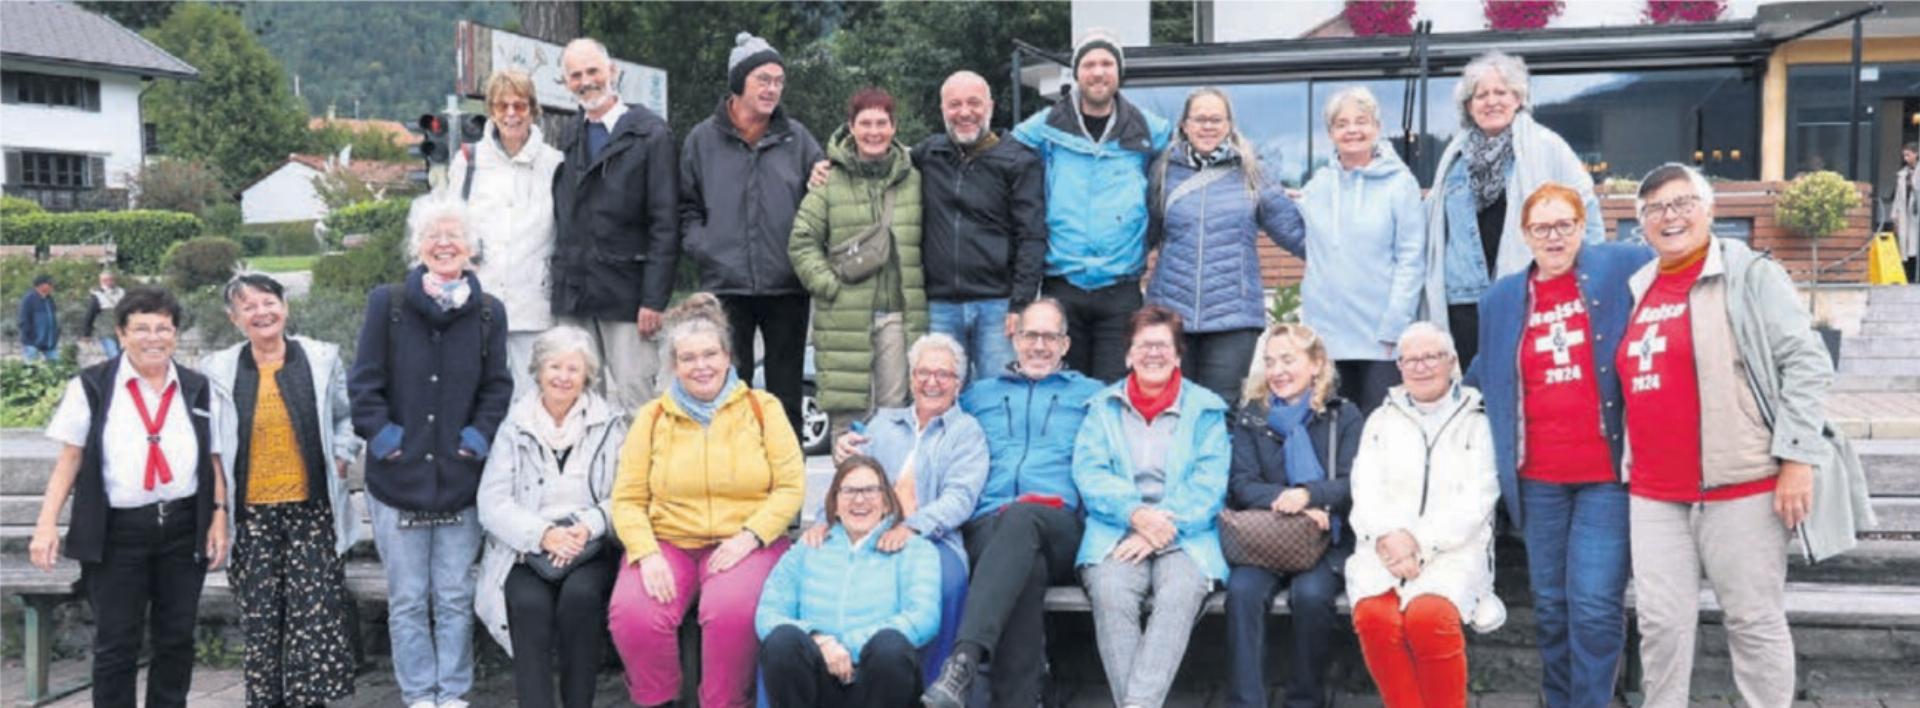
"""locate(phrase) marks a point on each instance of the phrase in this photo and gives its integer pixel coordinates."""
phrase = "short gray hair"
(1506, 67)
(964, 76)
(1660, 176)
(700, 313)
(430, 210)
(1424, 328)
(936, 339)
(1356, 96)
(561, 341)
(1044, 301)
(588, 44)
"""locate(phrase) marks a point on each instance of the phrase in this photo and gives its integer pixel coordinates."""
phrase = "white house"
(287, 193)
(70, 84)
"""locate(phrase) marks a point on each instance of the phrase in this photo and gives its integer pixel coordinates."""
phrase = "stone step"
(1902, 367)
(1884, 328)
(1908, 312)
(1893, 466)
(1881, 347)
(1868, 383)
(1893, 295)
(1898, 515)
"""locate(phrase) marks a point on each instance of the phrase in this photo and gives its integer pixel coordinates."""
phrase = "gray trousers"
(629, 362)
(888, 376)
(1141, 661)
(1742, 548)
(520, 361)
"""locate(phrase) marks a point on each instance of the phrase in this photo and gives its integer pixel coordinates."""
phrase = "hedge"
(386, 217)
(15, 206)
(376, 261)
(141, 237)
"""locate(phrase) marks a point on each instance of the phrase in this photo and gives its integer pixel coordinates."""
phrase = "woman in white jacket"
(1424, 490)
(544, 501)
(506, 180)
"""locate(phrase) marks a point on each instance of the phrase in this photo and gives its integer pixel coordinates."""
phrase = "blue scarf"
(702, 411)
(1289, 421)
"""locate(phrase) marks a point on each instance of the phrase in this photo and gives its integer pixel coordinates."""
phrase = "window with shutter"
(50, 90)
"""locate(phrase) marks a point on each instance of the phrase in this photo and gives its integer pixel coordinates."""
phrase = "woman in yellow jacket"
(710, 477)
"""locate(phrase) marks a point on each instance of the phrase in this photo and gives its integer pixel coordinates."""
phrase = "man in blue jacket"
(39, 323)
(1026, 528)
(1096, 146)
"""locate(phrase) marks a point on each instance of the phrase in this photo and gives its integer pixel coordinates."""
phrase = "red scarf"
(157, 468)
(1150, 407)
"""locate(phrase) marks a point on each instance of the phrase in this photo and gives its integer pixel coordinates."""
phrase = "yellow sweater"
(694, 486)
(275, 472)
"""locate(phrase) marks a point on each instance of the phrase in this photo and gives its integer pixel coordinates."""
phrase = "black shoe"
(950, 689)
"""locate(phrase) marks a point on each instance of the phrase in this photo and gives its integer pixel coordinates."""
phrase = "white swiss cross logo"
(1559, 340)
(1646, 346)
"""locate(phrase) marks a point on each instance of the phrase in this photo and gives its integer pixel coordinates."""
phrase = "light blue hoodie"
(1365, 248)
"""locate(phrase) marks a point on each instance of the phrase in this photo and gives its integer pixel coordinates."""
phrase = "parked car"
(813, 421)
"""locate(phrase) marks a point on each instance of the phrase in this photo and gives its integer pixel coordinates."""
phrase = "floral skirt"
(291, 588)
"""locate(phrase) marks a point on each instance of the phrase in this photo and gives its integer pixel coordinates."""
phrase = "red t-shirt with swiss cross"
(1565, 443)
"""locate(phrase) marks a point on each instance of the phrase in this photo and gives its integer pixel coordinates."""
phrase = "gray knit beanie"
(1096, 39)
(749, 52)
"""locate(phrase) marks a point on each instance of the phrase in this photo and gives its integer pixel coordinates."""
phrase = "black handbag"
(542, 563)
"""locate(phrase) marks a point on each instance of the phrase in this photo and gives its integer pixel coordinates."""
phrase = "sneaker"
(950, 689)
(422, 704)
(453, 703)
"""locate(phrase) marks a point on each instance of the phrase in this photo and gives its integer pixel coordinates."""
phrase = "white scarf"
(532, 416)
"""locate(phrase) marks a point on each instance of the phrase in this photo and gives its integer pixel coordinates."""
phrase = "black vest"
(87, 525)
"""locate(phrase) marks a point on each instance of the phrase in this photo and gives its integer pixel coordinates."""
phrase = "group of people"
(1017, 403)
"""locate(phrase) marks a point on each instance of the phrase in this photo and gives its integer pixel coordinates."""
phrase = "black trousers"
(1463, 322)
(145, 587)
(1220, 361)
(886, 674)
(782, 323)
(1016, 554)
(1310, 599)
(569, 619)
(1365, 382)
(1097, 325)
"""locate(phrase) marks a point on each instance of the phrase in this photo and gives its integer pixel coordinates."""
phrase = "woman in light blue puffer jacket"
(1210, 202)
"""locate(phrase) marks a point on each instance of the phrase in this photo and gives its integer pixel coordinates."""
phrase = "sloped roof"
(370, 171)
(64, 33)
(393, 128)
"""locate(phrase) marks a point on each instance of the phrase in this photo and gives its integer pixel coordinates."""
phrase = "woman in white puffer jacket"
(1424, 491)
(510, 210)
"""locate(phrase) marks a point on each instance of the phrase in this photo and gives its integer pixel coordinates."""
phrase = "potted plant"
(1815, 205)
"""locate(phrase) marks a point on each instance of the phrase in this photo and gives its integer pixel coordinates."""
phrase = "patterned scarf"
(1219, 155)
(448, 294)
(1488, 159)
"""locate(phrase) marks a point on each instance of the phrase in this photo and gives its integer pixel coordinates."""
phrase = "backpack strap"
(466, 186)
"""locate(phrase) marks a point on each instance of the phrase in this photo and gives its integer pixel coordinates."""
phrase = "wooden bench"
(12, 250)
(102, 253)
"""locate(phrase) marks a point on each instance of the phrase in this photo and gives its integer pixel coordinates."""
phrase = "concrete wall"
(113, 132)
(285, 195)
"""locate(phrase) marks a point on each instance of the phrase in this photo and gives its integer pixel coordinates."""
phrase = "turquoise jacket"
(1196, 470)
(1096, 190)
(853, 591)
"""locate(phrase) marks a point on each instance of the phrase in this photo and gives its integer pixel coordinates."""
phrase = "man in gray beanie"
(743, 171)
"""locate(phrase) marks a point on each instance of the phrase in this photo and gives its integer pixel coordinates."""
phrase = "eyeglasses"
(768, 81)
(1207, 121)
(1147, 347)
(144, 331)
(940, 375)
(1677, 207)
(869, 491)
(512, 106)
(1544, 231)
(1424, 361)
(1039, 337)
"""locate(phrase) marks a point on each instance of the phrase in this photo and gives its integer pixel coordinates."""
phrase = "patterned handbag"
(1283, 543)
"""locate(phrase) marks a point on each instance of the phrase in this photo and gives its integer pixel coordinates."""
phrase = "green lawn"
(282, 264)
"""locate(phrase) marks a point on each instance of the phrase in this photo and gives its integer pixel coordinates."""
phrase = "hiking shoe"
(950, 689)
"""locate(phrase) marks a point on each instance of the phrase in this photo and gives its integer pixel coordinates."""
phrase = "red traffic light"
(432, 124)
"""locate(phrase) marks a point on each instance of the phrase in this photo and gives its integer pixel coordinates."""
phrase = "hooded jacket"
(985, 224)
(1030, 426)
(737, 202)
(1209, 267)
(832, 216)
(1196, 475)
(950, 466)
(1096, 190)
(511, 223)
(852, 591)
(1365, 249)
(618, 227)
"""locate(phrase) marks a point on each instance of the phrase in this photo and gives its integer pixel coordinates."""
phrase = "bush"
(179, 185)
(30, 392)
(72, 278)
(253, 245)
(203, 321)
(375, 219)
(329, 316)
(1815, 204)
(374, 263)
(199, 263)
(15, 206)
(292, 238)
(142, 237)
(223, 220)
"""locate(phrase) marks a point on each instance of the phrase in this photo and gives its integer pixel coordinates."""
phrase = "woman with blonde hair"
(1294, 438)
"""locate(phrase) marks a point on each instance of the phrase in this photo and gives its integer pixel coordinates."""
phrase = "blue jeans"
(1577, 559)
(1310, 599)
(32, 353)
(110, 346)
(430, 586)
(981, 327)
(953, 598)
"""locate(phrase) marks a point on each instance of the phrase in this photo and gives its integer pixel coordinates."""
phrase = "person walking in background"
(429, 388)
(708, 482)
(856, 248)
(1365, 249)
(618, 226)
(101, 300)
(1906, 210)
(841, 619)
(1487, 171)
(743, 171)
(1096, 146)
(286, 448)
(39, 321)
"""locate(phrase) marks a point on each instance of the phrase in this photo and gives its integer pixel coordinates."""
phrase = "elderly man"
(1025, 530)
(1096, 146)
(743, 171)
(102, 299)
(617, 225)
(39, 322)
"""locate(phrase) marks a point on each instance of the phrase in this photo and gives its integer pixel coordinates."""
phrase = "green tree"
(368, 144)
(135, 16)
(239, 117)
(391, 60)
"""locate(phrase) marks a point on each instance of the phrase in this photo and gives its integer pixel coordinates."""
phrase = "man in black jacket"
(983, 240)
(617, 224)
(743, 171)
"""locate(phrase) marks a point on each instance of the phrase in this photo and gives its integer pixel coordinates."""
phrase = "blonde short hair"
(513, 82)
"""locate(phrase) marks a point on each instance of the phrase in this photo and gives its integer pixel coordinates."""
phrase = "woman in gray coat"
(544, 499)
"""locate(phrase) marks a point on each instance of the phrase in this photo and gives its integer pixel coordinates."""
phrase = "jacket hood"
(598, 411)
(1462, 397)
(776, 123)
(536, 139)
(845, 155)
(1128, 128)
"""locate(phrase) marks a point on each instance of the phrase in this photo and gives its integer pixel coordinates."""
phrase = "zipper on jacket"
(1200, 252)
(959, 178)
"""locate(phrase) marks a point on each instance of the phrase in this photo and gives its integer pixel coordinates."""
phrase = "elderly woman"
(1151, 465)
(1552, 396)
(286, 449)
(935, 457)
(1211, 201)
(1365, 250)
(506, 180)
(429, 387)
(139, 458)
(545, 501)
(705, 492)
(1718, 334)
(1485, 174)
(856, 247)
(839, 620)
(1294, 439)
(1424, 490)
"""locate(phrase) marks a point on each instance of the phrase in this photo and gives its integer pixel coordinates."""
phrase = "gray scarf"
(1488, 159)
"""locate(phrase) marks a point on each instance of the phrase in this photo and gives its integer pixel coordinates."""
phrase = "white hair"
(561, 341)
(588, 44)
(965, 77)
(1659, 177)
(1507, 67)
(1424, 328)
(936, 339)
(428, 211)
(1356, 96)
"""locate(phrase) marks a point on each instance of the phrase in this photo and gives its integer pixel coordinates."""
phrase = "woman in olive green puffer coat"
(859, 352)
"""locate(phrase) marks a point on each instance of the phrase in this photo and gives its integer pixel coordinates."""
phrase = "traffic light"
(434, 146)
